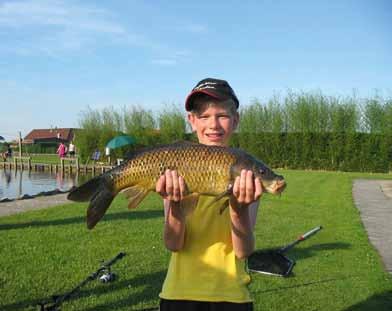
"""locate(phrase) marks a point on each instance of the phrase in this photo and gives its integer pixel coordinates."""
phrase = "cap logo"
(206, 85)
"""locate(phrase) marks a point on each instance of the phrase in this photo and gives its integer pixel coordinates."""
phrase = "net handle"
(300, 239)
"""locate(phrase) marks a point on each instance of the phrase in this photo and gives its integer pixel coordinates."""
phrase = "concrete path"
(18, 206)
(373, 198)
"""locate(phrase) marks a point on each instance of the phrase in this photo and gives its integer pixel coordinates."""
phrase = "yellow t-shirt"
(206, 269)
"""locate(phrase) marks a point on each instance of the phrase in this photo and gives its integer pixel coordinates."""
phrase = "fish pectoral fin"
(135, 195)
(224, 206)
(189, 202)
(226, 193)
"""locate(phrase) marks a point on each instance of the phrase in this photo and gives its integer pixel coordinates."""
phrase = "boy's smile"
(213, 124)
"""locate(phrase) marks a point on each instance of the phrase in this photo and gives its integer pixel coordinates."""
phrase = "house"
(50, 136)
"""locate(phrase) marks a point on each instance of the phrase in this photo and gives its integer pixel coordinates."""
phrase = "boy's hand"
(246, 189)
(170, 186)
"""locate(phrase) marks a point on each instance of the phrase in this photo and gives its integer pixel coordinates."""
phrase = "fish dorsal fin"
(134, 195)
(189, 203)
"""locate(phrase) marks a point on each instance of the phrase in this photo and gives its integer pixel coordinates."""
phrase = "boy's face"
(213, 123)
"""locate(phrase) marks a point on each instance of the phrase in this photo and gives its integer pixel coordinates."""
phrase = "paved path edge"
(373, 198)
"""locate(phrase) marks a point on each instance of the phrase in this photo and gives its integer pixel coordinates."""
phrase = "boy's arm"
(243, 212)
(174, 230)
(171, 187)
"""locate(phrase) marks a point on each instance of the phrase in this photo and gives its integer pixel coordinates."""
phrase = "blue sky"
(59, 57)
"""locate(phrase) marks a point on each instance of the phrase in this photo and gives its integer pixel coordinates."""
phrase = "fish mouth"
(276, 187)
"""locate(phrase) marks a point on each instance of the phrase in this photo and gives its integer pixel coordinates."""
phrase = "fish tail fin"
(98, 205)
(86, 191)
(99, 191)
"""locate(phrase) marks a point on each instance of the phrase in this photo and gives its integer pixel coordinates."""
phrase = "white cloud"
(58, 13)
(172, 58)
(164, 61)
(56, 28)
(51, 27)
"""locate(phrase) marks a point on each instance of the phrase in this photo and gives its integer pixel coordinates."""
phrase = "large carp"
(209, 170)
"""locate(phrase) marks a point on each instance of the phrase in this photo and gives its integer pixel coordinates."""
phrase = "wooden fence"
(68, 165)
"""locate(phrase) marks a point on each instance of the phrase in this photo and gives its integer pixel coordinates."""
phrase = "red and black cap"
(217, 89)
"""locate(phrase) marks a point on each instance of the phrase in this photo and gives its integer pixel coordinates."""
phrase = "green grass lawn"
(45, 159)
(41, 159)
(50, 251)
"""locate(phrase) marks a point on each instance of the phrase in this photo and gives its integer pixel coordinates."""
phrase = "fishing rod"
(103, 273)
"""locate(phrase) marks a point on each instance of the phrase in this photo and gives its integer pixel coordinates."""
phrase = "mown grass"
(50, 251)
(45, 158)
(41, 159)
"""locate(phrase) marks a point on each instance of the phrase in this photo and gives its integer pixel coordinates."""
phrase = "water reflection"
(16, 183)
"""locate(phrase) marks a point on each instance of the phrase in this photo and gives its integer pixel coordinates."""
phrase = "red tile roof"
(55, 133)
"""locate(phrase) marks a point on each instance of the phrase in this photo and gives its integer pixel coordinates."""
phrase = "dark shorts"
(189, 305)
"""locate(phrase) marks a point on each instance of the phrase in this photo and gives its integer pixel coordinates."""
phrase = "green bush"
(299, 131)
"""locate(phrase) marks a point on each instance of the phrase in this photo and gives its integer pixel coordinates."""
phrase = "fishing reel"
(103, 274)
(107, 276)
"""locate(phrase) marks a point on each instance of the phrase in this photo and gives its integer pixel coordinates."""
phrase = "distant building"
(50, 136)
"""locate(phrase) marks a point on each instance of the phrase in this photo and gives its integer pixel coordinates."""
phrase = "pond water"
(16, 183)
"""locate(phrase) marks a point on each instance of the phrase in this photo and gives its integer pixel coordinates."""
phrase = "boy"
(207, 269)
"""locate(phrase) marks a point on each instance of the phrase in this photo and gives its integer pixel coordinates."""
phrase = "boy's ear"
(191, 120)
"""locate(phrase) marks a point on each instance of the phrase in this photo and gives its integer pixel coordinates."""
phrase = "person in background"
(62, 150)
(207, 269)
(9, 152)
(71, 149)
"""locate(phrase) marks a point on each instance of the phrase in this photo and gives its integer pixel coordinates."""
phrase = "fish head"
(270, 181)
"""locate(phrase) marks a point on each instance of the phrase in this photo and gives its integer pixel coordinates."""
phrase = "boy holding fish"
(210, 194)
(207, 269)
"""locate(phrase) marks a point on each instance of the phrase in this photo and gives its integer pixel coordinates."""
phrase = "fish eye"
(261, 171)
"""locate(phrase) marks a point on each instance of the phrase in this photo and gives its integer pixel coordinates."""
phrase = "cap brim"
(188, 102)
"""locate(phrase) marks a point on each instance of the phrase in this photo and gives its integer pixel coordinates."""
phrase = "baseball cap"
(216, 88)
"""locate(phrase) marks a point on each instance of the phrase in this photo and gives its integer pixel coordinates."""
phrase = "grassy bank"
(50, 251)
(41, 159)
(45, 158)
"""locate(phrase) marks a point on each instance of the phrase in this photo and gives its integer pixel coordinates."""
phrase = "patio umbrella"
(120, 141)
